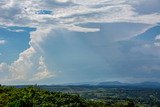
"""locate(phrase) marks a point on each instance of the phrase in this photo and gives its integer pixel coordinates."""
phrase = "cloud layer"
(77, 17)
(70, 13)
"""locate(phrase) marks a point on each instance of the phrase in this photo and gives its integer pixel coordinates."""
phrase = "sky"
(74, 41)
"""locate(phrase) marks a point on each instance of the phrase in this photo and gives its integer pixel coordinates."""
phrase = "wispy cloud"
(17, 30)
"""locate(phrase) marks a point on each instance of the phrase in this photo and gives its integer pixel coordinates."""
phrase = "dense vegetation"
(33, 96)
(142, 97)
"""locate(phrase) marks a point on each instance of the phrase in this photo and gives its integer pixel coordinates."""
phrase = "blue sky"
(72, 41)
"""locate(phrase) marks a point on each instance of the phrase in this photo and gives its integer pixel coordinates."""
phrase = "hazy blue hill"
(114, 83)
(81, 83)
(148, 84)
(143, 84)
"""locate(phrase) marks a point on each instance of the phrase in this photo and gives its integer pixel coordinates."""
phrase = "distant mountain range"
(118, 84)
(142, 84)
(112, 83)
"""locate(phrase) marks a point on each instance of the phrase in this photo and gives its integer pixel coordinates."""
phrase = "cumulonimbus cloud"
(64, 14)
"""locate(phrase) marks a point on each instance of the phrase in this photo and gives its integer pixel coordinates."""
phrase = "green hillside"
(33, 96)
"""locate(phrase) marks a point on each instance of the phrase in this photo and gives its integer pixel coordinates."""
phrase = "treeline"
(33, 96)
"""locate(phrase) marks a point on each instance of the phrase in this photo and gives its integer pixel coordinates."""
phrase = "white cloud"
(81, 29)
(24, 64)
(157, 44)
(94, 11)
(3, 67)
(39, 35)
(147, 49)
(157, 37)
(17, 30)
(43, 72)
(30, 66)
(63, 1)
(157, 41)
(2, 42)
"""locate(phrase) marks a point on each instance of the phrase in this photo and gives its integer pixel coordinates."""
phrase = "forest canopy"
(33, 96)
